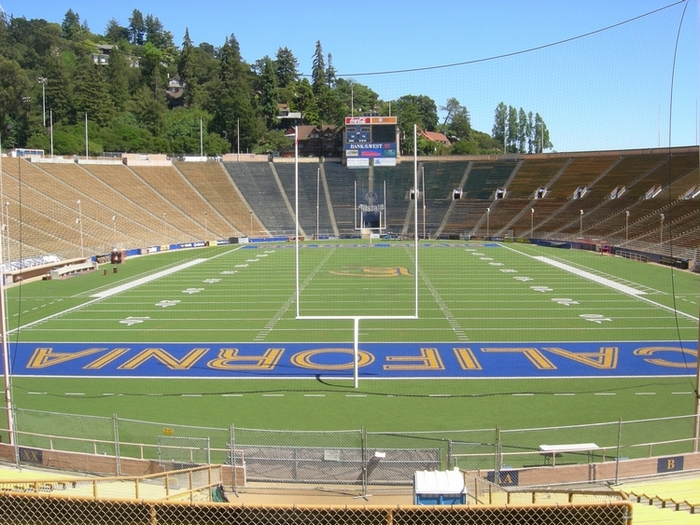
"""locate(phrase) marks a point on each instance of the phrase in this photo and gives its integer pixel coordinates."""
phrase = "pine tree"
(318, 70)
(186, 70)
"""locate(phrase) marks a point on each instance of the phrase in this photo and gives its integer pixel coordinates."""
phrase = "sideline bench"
(85, 266)
(551, 451)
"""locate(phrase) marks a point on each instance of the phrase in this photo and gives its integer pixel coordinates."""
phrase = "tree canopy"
(121, 80)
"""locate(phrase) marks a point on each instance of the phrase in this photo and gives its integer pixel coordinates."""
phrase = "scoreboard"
(370, 138)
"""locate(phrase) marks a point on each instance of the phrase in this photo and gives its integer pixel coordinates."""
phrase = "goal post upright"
(354, 318)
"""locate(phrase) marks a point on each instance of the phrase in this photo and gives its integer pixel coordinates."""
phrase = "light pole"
(532, 221)
(80, 224)
(42, 81)
(488, 215)
(627, 225)
(580, 223)
(114, 231)
(250, 233)
(7, 229)
(661, 233)
(206, 227)
(165, 226)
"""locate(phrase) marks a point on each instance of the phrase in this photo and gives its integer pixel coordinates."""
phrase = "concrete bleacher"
(258, 186)
(311, 192)
(216, 186)
(145, 205)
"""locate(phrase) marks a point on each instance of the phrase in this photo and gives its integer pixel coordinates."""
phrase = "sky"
(622, 88)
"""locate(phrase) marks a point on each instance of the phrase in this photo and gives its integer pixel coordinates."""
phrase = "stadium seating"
(622, 195)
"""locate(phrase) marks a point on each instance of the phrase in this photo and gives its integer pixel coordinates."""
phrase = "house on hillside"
(174, 91)
(317, 141)
(436, 136)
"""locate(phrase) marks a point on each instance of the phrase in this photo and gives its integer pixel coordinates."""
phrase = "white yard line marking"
(147, 279)
(590, 276)
(605, 282)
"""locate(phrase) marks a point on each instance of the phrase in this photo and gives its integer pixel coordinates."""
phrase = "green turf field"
(468, 293)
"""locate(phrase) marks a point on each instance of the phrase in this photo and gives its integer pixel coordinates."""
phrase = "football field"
(506, 333)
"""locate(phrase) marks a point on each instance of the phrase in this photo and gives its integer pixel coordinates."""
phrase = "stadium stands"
(622, 195)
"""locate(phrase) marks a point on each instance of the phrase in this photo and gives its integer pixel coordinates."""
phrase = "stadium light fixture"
(80, 224)
(7, 379)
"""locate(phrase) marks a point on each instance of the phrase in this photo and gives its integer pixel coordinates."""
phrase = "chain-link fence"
(600, 452)
(41, 508)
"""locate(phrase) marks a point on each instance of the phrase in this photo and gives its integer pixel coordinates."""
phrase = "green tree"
(117, 75)
(234, 111)
(305, 102)
(330, 72)
(70, 27)
(357, 97)
(115, 33)
(500, 125)
(512, 136)
(137, 28)
(523, 131)
(541, 134)
(286, 67)
(186, 70)
(151, 113)
(268, 93)
(457, 122)
(318, 70)
(91, 94)
(14, 86)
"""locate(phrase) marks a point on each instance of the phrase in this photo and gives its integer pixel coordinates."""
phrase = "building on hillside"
(101, 54)
(317, 141)
(174, 91)
(436, 136)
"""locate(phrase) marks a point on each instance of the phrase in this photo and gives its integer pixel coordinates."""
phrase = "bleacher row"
(71, 209)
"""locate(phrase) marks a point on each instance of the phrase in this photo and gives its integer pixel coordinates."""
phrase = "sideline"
(605, 282)
(113, 291)
(147, 279)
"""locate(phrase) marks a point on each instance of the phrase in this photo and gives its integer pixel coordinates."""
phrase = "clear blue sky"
(609, 90)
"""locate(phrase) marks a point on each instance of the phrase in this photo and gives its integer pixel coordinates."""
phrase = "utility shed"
(439, 487)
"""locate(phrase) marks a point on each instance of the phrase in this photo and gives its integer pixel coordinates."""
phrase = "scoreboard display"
(370, 138)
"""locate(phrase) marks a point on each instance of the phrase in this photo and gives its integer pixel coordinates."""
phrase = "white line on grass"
(147, 279)
(590, 276)
(118, 289)
(604, 281)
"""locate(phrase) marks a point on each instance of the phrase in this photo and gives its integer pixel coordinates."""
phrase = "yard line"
(147, 279)
(118, 289)
(605, 282)
(590, 276)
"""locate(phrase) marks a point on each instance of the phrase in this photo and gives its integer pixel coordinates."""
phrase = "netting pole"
(619, 446)
(356, 351)
(117, 455)
(497, 457)
(232, 441)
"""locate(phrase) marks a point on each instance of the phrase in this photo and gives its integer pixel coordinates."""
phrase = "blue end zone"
(376, 360)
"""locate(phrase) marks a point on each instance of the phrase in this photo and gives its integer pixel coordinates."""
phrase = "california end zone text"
(378, 360)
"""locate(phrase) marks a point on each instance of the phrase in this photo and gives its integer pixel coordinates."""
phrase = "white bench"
(553, 450)
(72, 268)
